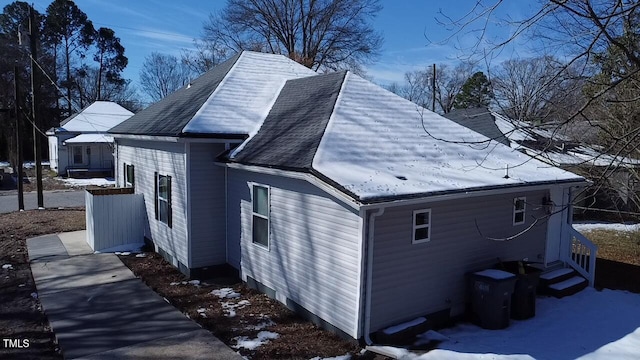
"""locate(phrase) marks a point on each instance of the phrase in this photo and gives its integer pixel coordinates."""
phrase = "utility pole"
(18, 143)
(433, 89)
(33, 32)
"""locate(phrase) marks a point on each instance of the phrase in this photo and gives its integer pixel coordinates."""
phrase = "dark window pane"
(260, 231)
(518, 217)
(162, 188)
(261, 200)
(130, 178)
(77, 154)
(163, 209)
(421, 234)
(422, 218)
(519, 205)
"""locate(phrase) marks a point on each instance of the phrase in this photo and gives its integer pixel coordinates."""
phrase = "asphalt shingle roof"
(291, 133)
(479, 120)
(170, 115)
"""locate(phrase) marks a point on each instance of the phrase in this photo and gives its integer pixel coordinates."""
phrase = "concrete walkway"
(99, 310)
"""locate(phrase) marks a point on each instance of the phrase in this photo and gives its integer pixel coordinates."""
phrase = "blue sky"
(166, 26)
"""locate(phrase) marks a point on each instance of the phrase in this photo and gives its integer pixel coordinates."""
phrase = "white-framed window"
(78, 155)
(163, 199)
(129, 175)
(519, 209)
(260, 198)
(421, 226)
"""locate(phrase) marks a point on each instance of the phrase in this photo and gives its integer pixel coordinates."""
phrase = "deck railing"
(582, 255)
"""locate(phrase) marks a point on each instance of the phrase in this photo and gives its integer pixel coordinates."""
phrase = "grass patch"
(620, 246)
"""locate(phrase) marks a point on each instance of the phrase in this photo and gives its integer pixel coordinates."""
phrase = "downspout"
(227, 146)
(367, 309)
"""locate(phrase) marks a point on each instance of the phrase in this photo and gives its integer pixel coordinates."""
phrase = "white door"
(556, 224)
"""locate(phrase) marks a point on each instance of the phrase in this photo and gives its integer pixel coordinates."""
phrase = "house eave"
(301, 174)
(410, 199)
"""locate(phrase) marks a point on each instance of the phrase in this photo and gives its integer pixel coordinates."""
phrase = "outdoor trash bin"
(491, 291)
(523, 300)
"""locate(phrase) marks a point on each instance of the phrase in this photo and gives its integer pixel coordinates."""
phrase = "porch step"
(553, 277)
(568, 287)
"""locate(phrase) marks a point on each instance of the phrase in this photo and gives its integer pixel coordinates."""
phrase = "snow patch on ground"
(244, 342)
(227, 293)
(262, 325)
(342, 357)
(141, 255)
(588, 226)
(7, 267)
(88, 182)
(230, 308)
(125, 249)
(593, 325)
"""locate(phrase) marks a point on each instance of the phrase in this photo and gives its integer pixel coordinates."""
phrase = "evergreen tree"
(476, 92)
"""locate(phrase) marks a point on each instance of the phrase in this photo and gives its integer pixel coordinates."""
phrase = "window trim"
(157, 199)
(267, 217)
(422, 226)
(522, 211)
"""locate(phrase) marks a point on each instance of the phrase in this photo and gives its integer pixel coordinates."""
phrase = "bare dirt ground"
(254, 312)
(618, 262)
(21, 315)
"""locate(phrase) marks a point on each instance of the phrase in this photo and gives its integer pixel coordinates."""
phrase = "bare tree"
(204, 57)
(162, 74)
(598, 41)
(535, 89)
(319, 34)
(418, 85)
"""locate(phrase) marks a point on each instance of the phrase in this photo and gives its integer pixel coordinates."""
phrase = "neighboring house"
(80, 146)
(325, 192)
(614, 177)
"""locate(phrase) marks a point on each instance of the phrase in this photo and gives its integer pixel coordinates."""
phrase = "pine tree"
(476, 92)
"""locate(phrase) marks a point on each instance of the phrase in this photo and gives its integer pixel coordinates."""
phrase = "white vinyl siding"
(314, 251)
(150, 157)
(411, 281)
(207, 201)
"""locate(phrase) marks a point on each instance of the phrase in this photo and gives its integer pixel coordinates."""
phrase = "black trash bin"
(523, 300)
(491, 291)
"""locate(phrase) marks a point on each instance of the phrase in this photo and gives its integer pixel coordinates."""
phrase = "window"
(129, 176)
(163, 198)
(78, 157)
(421, 226)
(260, 215)
(519, 207)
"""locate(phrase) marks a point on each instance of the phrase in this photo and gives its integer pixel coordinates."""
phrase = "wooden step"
(555, 276)
(567, 287)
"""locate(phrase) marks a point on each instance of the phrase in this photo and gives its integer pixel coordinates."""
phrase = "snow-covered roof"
(245, 96)
(552, 147)
(377, 145)
(231, 99)
(97, 117)
(90, 138)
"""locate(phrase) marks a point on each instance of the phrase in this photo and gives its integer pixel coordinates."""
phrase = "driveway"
(52, 199)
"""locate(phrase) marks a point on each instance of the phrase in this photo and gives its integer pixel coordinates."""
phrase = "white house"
(80, 145)
(335, 196)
